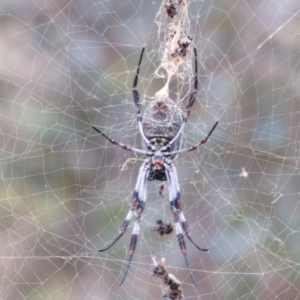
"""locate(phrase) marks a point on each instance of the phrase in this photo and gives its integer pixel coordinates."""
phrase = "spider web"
(65, 191)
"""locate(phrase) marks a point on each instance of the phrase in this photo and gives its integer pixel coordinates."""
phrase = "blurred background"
(68, 65)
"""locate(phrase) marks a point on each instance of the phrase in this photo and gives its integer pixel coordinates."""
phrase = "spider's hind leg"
(179, 220)
(138, 204)
(121, 231)
(139, 199)
(194, 93)
(186, 230)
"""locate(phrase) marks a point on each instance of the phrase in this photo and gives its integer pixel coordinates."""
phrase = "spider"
(161, 131)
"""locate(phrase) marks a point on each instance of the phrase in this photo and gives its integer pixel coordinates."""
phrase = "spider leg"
(190, 149)
(138, 204)
(186, 230)
(139, 197)
(125, 147)
(189, 105)
(182, 219)
(136, 98)
(195, 91)
(121, 231)
(142, 174)
(175, 205)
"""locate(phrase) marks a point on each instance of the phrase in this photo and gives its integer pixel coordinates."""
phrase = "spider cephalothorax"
(161, 129)
(157, 170)
(161, 122)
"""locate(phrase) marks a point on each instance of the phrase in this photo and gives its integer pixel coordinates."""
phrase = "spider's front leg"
(123, 146)
(137, 204)
(136, 99)
(179, 219)
(192, 148)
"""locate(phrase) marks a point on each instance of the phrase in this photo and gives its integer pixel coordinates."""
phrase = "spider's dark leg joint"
(138, 203)
(181, 243)
(136, 98)
(175, 204)
(185, 228)
(124, 226)
(133, 243)
(140, 208)
(135, 197)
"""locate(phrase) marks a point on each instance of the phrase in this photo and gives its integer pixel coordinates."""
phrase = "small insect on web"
(171, 10)
(163, 227)
(161, 128)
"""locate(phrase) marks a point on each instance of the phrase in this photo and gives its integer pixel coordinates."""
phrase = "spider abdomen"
(163, 119)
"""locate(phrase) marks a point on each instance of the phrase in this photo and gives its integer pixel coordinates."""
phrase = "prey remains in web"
(161, 128)
(172, 284)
